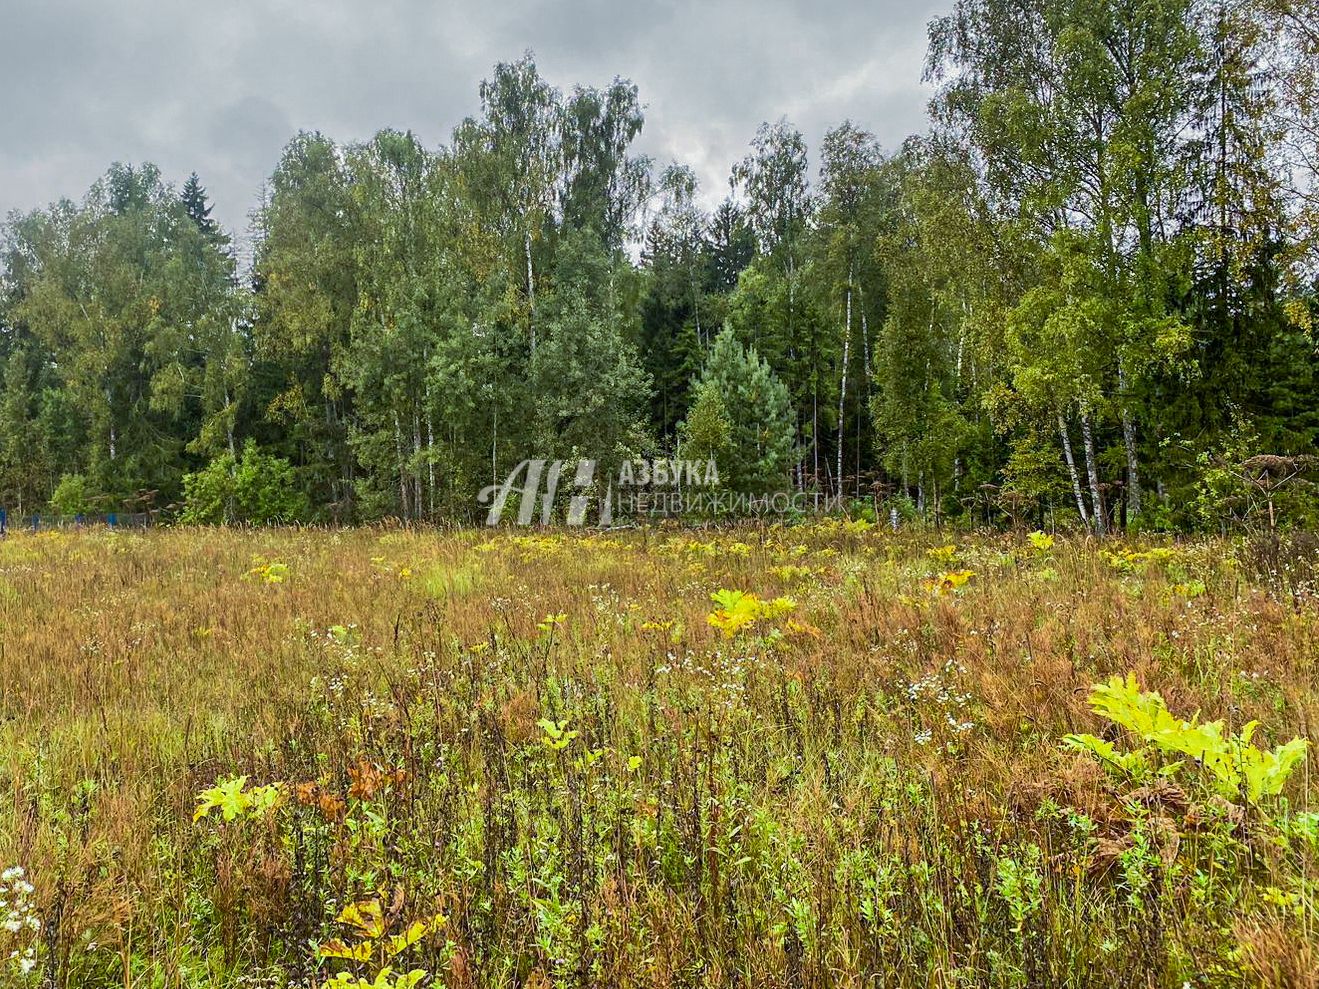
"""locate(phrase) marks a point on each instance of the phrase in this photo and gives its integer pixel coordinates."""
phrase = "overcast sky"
(220, 88)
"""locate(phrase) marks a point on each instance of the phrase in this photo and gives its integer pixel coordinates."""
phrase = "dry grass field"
(479, 759)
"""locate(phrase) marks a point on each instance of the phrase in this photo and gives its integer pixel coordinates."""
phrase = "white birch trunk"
(1129, 441)
(402, 470)
(842, 381)
(1092, 471)
(1071, 470)
(531, 291)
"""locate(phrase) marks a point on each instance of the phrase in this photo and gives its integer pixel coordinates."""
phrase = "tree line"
(1087, 290)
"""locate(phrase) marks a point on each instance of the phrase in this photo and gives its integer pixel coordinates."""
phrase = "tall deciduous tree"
(307, 292)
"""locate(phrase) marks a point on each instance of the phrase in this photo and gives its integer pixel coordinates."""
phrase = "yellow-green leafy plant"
(269, 572)
(1128, 560)
(551, 622)
(951, 580)
(557, 735)
(1042, 541)
(944, 556)
(1237, 767)
(234, 799)
(739, 610)
(374, 946)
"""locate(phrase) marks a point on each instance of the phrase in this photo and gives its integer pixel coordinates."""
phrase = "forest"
(1085, 295)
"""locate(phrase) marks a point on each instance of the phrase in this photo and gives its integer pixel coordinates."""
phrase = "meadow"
(810, 756)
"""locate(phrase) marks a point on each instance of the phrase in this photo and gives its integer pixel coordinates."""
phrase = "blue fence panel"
(114, 520)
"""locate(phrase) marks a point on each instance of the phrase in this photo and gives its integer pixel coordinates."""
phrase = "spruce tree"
(198, 207)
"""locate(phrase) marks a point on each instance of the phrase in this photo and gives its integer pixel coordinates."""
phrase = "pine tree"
(758, 412)
(706, 432)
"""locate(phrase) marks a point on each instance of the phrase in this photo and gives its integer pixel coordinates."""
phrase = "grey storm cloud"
(219, 89)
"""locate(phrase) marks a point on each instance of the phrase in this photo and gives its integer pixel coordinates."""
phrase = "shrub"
(258, 488)
(71, 496)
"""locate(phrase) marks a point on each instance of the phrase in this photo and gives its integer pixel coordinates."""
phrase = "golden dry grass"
(873, 793)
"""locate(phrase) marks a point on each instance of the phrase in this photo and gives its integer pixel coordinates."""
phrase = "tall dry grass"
(873, 792)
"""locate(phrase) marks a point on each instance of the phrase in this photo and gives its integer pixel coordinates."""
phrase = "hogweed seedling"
(374, 946)
(557, 735)
(740, 610)
(1042, 541)
(948, 582)
(233, 799)
(1237, 767)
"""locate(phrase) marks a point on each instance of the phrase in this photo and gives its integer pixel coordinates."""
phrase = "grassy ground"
(598, 776)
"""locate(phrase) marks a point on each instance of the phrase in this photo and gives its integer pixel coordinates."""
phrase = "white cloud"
(220, 89)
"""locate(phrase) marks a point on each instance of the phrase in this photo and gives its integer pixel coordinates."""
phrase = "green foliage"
(1237, 767)
(589, 389)
(257, 488)
(557, 734)
(376, 948)
(234, 799)
(1020, 882)
(759, 440)
(1082, 297)
(72, 496)
(121, 301)
(741, 610)
(707, 433)
(1132, 763)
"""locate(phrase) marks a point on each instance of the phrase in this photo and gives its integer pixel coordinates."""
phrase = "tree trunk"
(229, 424)
(842, 382)
(1071, 470)
(1129, 441)
(815, 444)
(416, 464)
(865, 341)
(1092, 470)
(430, 455)
(531, 291)
(109, 412)
(861, 416)
(402, 469)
